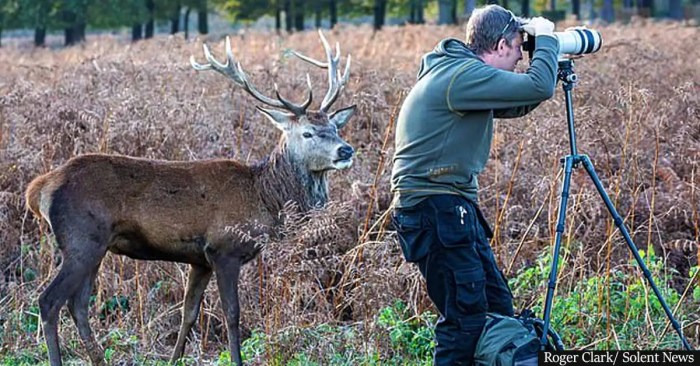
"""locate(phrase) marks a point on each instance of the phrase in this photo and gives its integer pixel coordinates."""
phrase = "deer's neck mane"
(280, 180)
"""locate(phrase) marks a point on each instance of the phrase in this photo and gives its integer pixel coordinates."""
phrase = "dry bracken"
(637, 116)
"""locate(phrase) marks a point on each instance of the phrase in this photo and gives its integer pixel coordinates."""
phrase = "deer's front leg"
(196, 284)
(227, 272)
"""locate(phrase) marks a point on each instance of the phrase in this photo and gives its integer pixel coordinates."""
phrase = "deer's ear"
(342, 116)
(280, 119)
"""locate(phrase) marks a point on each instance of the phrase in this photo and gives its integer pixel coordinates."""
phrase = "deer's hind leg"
(71, 279)
(78, 307)
(50, 303)
(82, 237)
(196, 284)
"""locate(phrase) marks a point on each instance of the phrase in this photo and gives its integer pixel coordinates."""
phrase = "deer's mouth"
(342, 163)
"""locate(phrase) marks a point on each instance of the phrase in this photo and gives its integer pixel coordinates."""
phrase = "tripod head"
(566, 73)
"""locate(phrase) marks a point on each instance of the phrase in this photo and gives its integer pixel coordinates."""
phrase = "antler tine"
(294, 108)
(340, 82)
(310, 60)
(307, 103)
(234, 71)
(334, 85)
(335, 82)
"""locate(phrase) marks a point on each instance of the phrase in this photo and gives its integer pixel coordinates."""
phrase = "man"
(443, 137)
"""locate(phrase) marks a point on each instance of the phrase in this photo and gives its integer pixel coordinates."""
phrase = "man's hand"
(538, 26)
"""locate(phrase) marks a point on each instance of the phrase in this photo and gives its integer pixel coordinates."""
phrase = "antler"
(335, 81)
(233, 70)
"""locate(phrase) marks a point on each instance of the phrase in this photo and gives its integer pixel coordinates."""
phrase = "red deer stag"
(209, 214)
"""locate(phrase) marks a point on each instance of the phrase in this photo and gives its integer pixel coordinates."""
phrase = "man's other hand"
(538, 26)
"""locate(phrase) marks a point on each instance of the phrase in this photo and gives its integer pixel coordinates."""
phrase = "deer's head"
(310, 138)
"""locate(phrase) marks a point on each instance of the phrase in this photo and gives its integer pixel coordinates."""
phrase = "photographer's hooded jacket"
(445, 127)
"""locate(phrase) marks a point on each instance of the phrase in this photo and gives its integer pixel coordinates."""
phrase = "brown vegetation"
(637, 117)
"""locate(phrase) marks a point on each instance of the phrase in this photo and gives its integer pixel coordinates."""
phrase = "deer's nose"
(345, 152)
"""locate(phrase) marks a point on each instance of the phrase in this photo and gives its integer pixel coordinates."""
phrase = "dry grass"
(637, 117)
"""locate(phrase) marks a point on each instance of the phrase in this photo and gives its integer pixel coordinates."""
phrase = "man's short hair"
(488, 24)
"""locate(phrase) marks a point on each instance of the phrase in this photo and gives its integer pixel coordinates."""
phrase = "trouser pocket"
(455, 221)
(470, 295)
(414, 237)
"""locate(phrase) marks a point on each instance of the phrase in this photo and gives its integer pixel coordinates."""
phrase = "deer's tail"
(33, 196)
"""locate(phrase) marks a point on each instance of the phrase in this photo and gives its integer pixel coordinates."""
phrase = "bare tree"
(608, 11)
(202, 17)
(379, 13)
(446, 11)
(416, 12)
(675, 8)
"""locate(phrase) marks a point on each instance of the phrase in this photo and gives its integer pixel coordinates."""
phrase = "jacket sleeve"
(478, 86)
(514, 112)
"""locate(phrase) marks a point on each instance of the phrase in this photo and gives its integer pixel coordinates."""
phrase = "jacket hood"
(449, 48)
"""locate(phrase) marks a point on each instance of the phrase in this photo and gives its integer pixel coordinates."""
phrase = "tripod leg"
(552, 284)
(633, 248)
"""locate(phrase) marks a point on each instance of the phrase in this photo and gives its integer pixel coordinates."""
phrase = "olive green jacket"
(445, 126)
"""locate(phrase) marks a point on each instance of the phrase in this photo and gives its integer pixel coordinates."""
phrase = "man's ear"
(501, 46)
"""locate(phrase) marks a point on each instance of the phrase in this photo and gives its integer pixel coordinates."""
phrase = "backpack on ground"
(512, 341)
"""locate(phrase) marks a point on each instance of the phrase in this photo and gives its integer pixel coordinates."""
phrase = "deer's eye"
(307, 135)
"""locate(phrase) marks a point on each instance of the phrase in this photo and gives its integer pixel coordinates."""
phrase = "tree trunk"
(454, 11)
(186, 22)
(445, 12)
(175, 20)
(40, 36)
(420, 11)
(69, 20)
(379, 14)
(608, 12)
(136, 32)
(645, 8)
(68, 39)
(150, 26)
(576, 8)
(288, 16)
(80, 23)
(317, 14)
(675, 9)
(175, 23)
(202, 24)
(278, 17)
(412, 12)
(299, 15)
(525, 9)
(334, 12)
(553, 5)
(469, 6)
(40, 26)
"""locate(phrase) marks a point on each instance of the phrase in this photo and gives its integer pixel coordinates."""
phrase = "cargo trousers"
(448, 238)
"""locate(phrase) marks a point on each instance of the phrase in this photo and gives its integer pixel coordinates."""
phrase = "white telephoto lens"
(578, 41)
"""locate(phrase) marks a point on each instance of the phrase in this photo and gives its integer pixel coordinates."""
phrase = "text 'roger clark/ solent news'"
(660, 357)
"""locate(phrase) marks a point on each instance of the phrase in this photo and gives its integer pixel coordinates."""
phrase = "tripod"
(568, 77)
